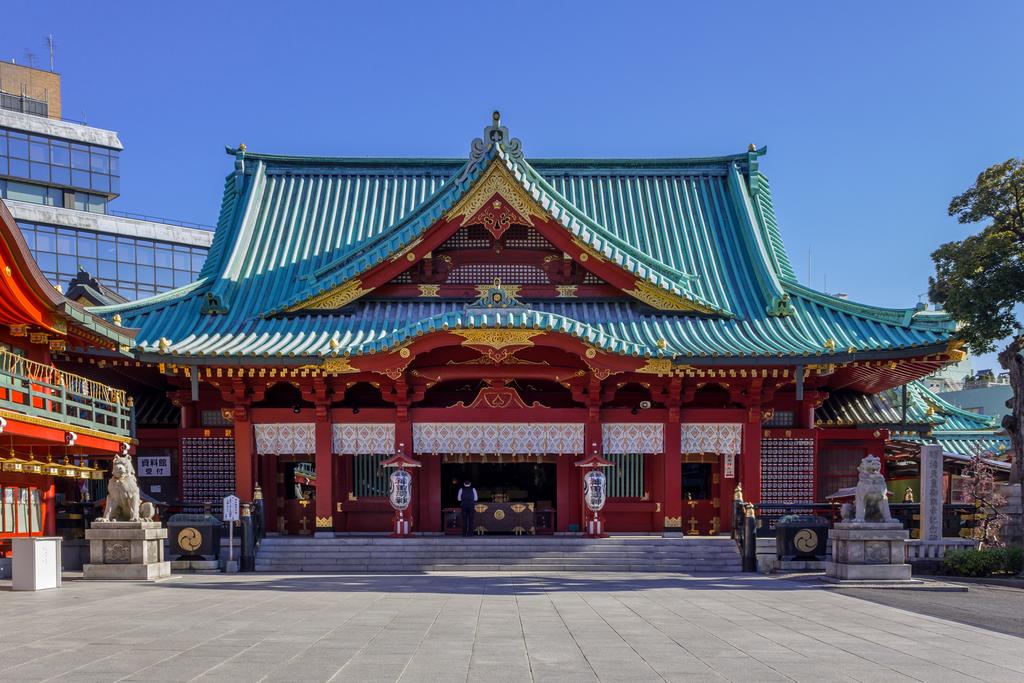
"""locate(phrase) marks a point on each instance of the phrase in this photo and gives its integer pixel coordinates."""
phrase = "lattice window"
(782, 418)
(510, 273)
(403, 279)
(591, 279)
(626, 479)
(521, 237)
(207, 469)
(214, 418)
(473, 237)
(369, 479)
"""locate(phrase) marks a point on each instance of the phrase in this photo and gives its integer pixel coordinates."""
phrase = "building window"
(52, 160)
(122, 263)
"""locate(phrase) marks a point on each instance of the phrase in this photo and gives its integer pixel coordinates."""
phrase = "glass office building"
(58, 178)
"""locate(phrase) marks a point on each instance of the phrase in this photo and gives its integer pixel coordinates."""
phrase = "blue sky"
(875, 113)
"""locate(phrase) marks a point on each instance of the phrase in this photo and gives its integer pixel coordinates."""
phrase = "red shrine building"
(499, 319)
(53, 424)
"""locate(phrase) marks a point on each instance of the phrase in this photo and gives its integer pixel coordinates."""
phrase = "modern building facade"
(501, 319)
(58, 179)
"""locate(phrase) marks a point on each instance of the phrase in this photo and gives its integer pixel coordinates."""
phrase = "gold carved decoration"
(336, 366)
(591, 352)
(497, 338)
(496, 180)
(333, 298)
(673, 522)
(510, 291)
(955, 350)
(324, 522)
(664, 300)
(662, 367)
(429, 290)
(566, 291)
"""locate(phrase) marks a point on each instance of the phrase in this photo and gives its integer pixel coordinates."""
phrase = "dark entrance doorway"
(513, 498)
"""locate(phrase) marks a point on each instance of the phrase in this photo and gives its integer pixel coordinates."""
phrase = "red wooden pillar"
(49, 509)
(567, 497)
(430, 494)
(324, 466)
(245, 451)
(750, 458)
(272, 501)
(672, 475)
(342, 491)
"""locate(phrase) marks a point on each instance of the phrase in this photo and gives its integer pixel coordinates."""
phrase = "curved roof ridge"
(928, 396)
(904, 317)
(156, 301)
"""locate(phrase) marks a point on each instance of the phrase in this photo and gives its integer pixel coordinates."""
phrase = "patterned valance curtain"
(633, 437)
(293, 438)
(723, 438)
(488, 437)
(363, 439)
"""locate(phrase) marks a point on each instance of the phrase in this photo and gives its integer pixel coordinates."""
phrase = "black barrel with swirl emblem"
(194, 537)
(801, 537)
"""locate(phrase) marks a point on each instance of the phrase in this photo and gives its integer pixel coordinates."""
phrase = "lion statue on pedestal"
(124, 503)
(870, 501)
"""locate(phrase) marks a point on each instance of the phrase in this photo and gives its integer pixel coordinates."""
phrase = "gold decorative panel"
(497, 338)
(496, 180)
(333, 298)
(664, 300)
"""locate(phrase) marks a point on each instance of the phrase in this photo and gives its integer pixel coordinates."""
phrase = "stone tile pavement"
(484, 627)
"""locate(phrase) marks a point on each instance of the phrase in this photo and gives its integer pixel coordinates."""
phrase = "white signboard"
(231, 508)
(154, 466)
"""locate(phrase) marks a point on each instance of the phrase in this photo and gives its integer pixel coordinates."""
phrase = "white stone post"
(931, 494)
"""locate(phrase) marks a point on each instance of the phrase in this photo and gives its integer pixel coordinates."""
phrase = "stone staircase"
(354, 554)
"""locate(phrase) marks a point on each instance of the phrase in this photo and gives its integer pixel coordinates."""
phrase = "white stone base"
(126, 551)
(871, 551)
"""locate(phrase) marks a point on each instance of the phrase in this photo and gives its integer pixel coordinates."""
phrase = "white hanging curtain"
(522, 438)
(633, 437)
(292, 438)
(363, 439)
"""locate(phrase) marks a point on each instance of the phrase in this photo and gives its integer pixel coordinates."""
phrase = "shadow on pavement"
(494, 584)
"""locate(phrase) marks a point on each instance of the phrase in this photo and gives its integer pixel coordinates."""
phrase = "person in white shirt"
(467, 500)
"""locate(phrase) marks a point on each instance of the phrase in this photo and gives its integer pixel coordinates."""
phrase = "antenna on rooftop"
(50, 45)
(30, 57)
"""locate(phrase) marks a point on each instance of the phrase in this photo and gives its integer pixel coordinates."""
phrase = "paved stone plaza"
(484, 627)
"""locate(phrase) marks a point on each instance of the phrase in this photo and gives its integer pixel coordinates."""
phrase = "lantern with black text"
(595, 492)
(400, 492)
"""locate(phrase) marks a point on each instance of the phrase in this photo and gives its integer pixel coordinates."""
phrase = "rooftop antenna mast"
(50, 45)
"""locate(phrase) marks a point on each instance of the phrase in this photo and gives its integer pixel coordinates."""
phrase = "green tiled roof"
(703, 229)
(929, 419)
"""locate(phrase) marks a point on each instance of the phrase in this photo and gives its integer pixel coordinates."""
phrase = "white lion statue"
(123, 501)
(870, 501)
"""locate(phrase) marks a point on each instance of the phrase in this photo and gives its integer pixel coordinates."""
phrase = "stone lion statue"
(124, 503)
(870, 501)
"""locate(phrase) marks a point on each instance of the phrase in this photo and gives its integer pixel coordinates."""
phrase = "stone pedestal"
(870, 551)
(126, 551)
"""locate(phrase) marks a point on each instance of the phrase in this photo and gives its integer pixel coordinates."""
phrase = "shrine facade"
(498, 319)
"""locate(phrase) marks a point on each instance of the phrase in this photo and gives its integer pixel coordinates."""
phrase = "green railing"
(369, 479)
(39, 390)
(626, 479)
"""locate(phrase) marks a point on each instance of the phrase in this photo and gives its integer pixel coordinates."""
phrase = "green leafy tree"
(980, 280)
